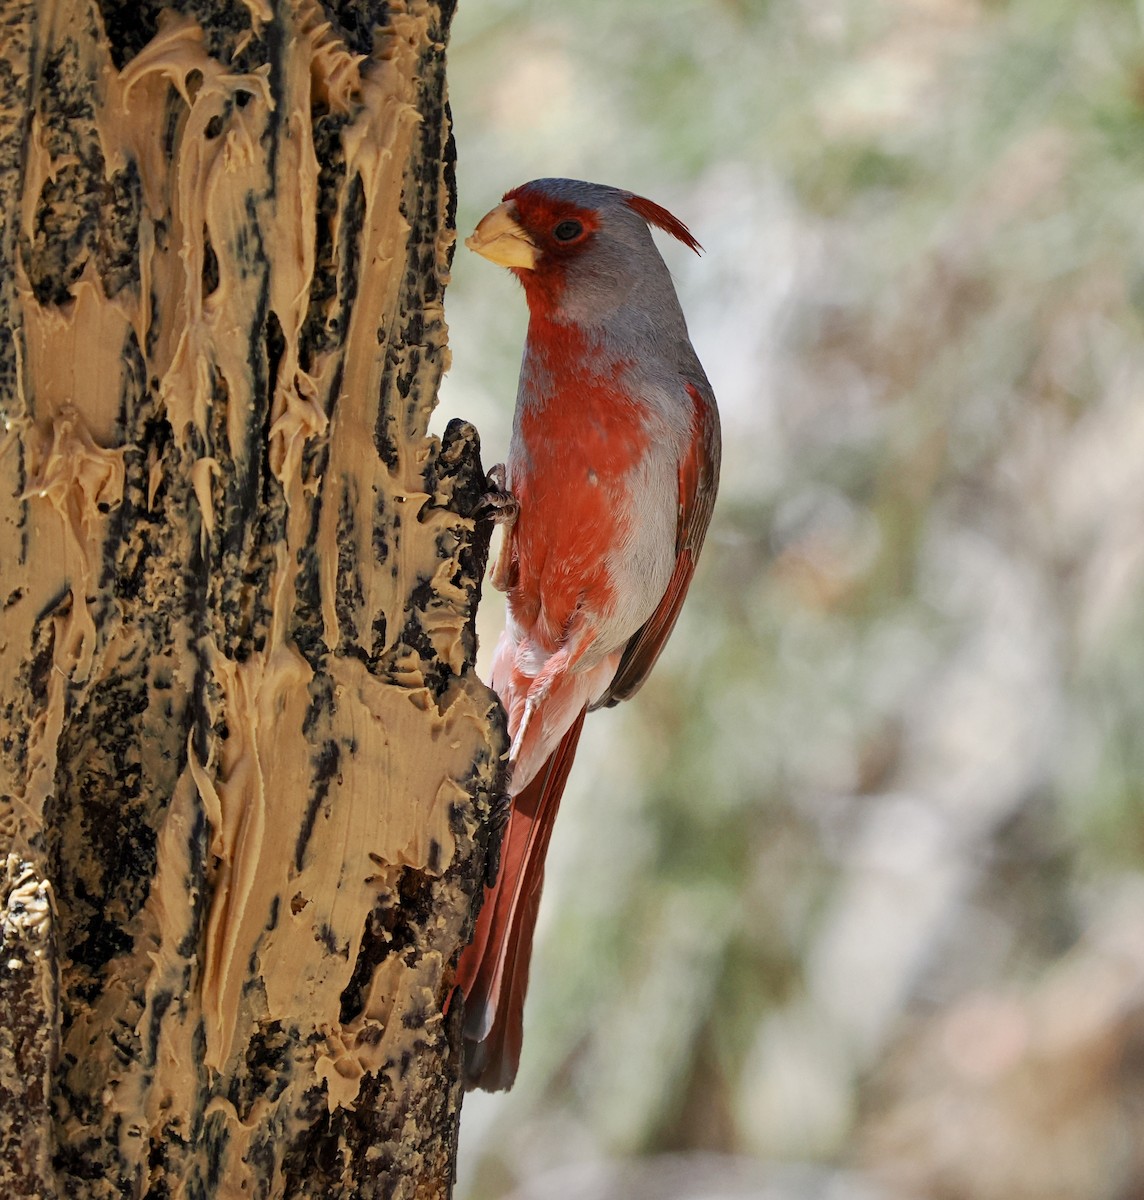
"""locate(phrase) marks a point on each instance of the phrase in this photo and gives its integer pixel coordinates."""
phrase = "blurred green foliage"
(855, 882)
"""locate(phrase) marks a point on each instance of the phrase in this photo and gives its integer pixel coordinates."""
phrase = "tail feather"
(493, 970)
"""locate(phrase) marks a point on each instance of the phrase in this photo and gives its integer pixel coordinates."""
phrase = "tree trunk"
(244, 759)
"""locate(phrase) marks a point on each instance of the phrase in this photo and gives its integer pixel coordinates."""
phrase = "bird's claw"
(497, 504)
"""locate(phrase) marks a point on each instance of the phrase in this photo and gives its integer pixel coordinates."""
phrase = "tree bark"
(245, 764)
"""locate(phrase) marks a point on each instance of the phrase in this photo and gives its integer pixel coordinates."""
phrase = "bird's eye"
(568, 231)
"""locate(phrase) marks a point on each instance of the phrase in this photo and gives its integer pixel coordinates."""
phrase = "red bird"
(611, 478)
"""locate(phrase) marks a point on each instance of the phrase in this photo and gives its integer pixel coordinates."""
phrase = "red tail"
(493, 970)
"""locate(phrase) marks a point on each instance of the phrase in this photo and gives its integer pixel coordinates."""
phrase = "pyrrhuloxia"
(614, 462)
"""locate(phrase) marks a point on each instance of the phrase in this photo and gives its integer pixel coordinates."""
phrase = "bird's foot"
(498, 504)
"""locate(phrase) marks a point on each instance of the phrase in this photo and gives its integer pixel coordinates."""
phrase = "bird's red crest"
(655, 214)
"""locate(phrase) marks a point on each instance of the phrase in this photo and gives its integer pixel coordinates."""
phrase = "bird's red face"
(537, 236)
(558, 228)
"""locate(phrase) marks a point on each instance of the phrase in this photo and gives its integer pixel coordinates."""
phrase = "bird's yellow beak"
(500, 239)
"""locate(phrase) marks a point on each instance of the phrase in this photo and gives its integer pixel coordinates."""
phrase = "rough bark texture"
(244, 760)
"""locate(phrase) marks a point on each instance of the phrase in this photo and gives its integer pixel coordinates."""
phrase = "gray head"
(584, 252)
